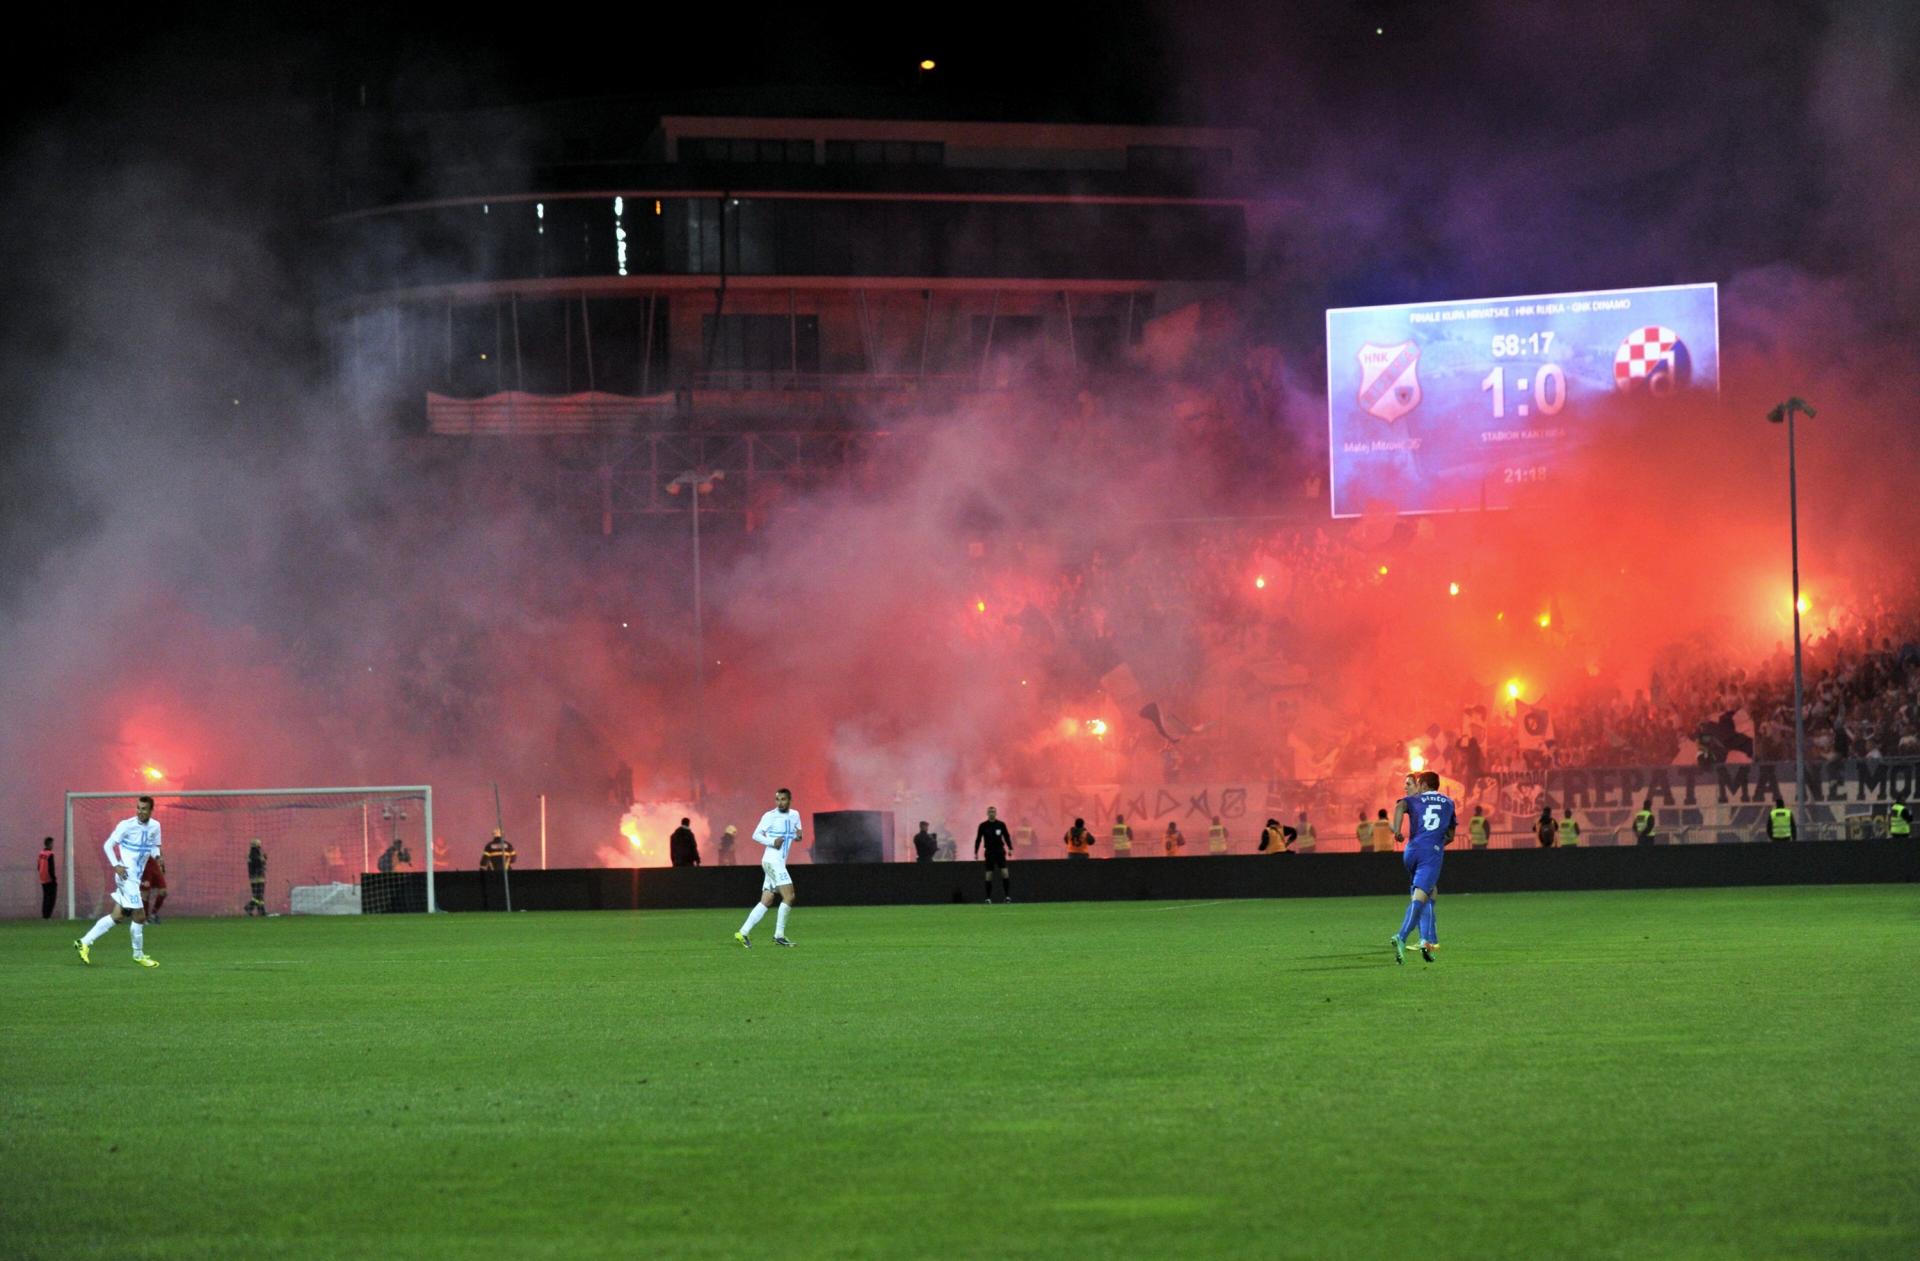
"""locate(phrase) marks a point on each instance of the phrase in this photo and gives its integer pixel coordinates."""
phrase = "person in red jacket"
(153, 888)
(48, 885)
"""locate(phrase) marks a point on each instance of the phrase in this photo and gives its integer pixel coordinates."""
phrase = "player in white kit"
(133, 844)
(779, 829)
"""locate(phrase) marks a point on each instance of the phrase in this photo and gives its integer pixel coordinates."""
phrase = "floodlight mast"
(1784, 412)
(700, 481)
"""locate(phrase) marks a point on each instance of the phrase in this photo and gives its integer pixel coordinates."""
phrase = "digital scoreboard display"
(1457, 406)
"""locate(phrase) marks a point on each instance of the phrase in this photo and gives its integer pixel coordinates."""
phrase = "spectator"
(48, 884)
(257, 879)
(495, 858)
(682, 849)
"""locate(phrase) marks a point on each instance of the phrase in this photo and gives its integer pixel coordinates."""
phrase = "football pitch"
(1728, 1073)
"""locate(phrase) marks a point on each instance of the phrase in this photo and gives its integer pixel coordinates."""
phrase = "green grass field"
(1721, 1074)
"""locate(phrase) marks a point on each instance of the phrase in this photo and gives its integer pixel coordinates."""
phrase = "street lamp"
(701, 481)
(1785, 412)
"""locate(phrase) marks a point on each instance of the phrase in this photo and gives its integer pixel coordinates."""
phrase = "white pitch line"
(1194, 906)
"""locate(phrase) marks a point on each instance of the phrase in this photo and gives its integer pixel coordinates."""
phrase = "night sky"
(1567, 135)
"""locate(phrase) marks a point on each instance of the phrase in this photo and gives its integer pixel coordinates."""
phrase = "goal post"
(316, 841)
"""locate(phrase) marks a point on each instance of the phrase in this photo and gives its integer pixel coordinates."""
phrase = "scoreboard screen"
(1456, 406)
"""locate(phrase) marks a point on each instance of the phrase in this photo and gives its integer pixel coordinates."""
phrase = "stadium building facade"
(761, 295)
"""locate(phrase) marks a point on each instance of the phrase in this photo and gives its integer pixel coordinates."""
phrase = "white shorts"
(773, 874)
(127, 894)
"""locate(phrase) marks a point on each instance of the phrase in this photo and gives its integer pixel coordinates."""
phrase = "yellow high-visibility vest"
(1217, 839)
(1899, 820)
(1477, 831)
(1569, 832)
(1122, 839)
(1780, 823)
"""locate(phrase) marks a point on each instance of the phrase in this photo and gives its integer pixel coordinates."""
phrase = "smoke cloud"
(211, 567)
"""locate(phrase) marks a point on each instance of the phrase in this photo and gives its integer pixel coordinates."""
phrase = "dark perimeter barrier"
(1178, 879)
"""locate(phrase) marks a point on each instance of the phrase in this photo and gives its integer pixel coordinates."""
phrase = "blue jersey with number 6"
(1432, 819)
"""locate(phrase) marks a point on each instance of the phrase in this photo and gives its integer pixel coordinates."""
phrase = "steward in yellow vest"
(1363, 832)
(1780, 822)
(1122, 837)
(1569, 830)
(1383, 834)
(1899, 820)
(1217, 837)
(1643, 823)
(1477, 829)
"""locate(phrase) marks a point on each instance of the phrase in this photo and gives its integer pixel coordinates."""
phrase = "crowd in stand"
(1218, 601)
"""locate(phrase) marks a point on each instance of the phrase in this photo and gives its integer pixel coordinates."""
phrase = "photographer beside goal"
(133, 844)
(256, 880)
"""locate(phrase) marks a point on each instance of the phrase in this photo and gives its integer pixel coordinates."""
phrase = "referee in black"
(993, 834)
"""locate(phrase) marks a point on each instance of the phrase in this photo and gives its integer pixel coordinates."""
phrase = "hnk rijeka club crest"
(1389, 379)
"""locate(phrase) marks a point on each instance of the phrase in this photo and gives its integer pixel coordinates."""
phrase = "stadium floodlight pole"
(701, 482)
(1785, 412)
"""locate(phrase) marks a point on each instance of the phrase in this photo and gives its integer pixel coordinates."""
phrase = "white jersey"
(132, 844)
(778, 830)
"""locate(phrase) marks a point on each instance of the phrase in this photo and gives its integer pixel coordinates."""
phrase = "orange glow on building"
(1545, 620)
(1453, 588)
(1513, 689)
(152, 774)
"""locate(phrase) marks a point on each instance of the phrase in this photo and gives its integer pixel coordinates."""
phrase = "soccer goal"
(315, 844)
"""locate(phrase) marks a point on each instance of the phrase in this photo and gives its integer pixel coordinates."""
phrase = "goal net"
(316, 844)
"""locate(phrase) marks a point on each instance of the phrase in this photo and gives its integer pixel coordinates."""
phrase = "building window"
(705, 149)
(887, 152)
(761, 343)
(1178, 159)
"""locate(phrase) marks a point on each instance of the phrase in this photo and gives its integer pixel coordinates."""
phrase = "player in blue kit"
(1432, 815)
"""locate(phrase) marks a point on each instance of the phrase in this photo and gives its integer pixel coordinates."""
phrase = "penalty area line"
(1194, 906)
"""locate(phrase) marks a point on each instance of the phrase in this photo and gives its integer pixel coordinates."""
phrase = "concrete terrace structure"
(767, 277)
